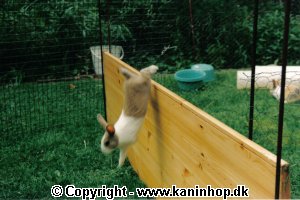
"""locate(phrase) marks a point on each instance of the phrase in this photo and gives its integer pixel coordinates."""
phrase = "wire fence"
(48, 79)
(46, 76)
(175, 35)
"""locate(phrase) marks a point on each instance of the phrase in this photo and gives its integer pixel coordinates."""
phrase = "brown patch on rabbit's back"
(137, 92)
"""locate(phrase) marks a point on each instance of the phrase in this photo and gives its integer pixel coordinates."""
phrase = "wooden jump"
(179, 144)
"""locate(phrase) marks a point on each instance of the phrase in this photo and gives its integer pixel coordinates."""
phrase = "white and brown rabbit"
(124, 132)
(291, 92)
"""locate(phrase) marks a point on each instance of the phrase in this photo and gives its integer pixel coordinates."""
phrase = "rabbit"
(124, 132)
(291, 92)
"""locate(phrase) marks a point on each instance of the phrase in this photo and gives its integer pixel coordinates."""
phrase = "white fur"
(126, 127)
(152, 69)
(292, 93)
(276, 92)
(104, 149)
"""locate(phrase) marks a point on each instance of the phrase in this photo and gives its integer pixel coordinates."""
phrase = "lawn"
(50, 134)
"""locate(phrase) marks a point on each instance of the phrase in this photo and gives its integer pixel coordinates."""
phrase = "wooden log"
(265, 74)
(179, 144)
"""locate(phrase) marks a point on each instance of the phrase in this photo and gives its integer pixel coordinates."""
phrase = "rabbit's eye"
(106, 143)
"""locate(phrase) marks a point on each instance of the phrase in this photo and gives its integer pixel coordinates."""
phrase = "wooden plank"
(181, 144)
(210, 161)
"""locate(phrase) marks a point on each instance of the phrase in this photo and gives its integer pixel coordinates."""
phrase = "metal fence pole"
(101, 44)
(281, 103)
(108, 2)
(192, 27)
(253, 64)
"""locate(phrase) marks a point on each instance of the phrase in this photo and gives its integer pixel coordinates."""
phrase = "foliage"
(44, 37)
(270, 40)
(223, 33)
(52, 38)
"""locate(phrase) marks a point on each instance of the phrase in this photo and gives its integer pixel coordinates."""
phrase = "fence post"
(253, 64)
(108, 2)
(101, 44)
(281, 103)
(192, 27)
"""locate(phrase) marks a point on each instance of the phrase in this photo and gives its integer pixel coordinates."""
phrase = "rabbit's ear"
(275, 83)
(102, 121)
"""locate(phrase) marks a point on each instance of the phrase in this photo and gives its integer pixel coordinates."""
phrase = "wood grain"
(181, 144)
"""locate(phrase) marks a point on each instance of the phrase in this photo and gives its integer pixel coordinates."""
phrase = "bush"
(270, 38)
(47, 38)
(40, 39)
(223, 33)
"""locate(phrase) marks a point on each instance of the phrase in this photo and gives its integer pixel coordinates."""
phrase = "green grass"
(222, 100)
(49, 133)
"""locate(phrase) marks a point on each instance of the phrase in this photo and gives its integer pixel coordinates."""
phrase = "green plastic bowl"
(189, 79)
(208, 69)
